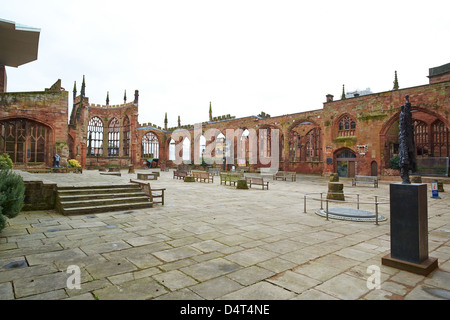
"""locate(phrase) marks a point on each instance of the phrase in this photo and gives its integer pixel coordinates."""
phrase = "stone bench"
(111, 174)
(365, 179)
(257, 181)
(147, 176)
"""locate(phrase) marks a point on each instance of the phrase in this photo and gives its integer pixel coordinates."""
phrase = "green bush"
(5, 162)
(2, 222)
(394, 162)
(12, 195)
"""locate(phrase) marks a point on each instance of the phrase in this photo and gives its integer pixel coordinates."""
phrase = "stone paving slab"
(214, 242)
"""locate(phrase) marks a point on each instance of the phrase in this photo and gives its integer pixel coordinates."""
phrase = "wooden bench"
(365, 179)
(214, 171)
(257, 181)
(147, 176)
(230, 177)
(179, 174)
(284, 175)
(150, 192)
(202, 176)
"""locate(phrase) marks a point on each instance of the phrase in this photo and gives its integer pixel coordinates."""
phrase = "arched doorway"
(374, 169)
(346, 163)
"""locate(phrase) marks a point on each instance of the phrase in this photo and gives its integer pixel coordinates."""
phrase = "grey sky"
(244, 56)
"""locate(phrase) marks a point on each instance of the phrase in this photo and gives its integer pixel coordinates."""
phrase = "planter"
(242, 184)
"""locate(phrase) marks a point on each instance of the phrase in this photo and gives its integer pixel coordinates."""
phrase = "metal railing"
(358, 202)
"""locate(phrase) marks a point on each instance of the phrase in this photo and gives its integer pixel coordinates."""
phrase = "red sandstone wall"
(47, 107)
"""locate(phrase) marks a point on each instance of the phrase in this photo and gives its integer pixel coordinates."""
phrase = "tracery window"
(113, 138)
(421, 138)
(126, 137)
(14, 142)
(307, 147)
(440, 135)
(150, 146)
(95, 137)
(347, 126)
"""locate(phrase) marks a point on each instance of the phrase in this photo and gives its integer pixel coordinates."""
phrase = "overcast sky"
(244, 56)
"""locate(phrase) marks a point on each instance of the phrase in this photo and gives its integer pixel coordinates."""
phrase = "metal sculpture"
(406, 140)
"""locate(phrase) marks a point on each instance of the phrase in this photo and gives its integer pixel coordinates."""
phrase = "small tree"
(394, 162)
(12, 191)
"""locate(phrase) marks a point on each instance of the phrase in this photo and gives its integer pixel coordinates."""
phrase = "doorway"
(346, 163)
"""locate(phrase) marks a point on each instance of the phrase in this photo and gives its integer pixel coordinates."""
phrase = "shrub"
(394, 162)
(5, 162)
(74, 163)
(12, 195)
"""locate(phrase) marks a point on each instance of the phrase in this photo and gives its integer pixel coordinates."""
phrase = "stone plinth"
(409, 229)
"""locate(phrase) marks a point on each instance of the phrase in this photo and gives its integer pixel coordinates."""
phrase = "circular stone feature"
(350, 214)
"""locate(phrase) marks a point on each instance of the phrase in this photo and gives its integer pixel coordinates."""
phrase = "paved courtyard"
(212, 241)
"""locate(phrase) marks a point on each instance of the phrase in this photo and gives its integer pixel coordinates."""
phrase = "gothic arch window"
(172, 150)
(421, 138)
(113, 138)
(440, 136)
(306, 147)
(313, 145)
(24, 140)
(202, 143)
(126, 137)
(346, 126)
(95, 137)
(150, 146)
(186, 149)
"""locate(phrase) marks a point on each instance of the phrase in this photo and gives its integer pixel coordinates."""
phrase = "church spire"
(396, 82)
(343, 92)
(83, 89)
(107, 99)
(210, 111)
(74, 89)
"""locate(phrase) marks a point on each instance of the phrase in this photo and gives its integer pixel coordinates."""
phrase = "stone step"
(101, 198)
(106, 208)
(101, 202)
(93, 196)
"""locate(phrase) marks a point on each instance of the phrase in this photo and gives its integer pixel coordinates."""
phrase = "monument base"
(424, 268)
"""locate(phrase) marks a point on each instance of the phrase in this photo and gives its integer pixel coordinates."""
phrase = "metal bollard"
(327, 208)
(357, 201)
(376, 210)
(321, 206)
(304, 204)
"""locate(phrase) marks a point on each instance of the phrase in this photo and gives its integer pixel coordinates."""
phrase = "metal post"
(321, 206)
(304, 204)
(327, 208)
(376, 210)
(357, 201)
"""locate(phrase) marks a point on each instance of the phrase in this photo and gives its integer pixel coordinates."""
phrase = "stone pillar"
(2, 79)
